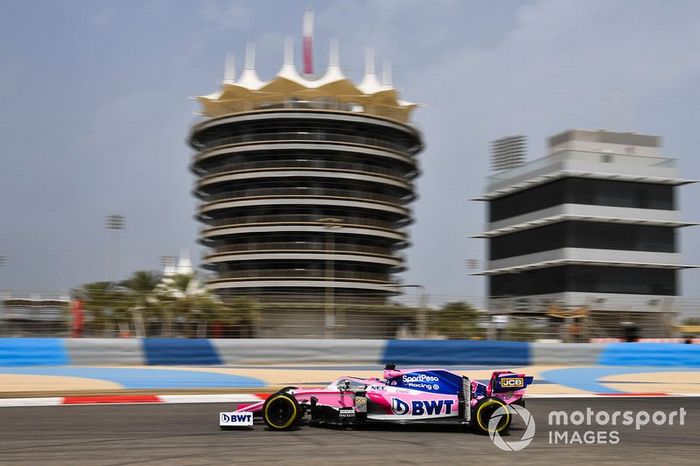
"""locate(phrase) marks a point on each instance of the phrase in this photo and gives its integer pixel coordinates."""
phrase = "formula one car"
(402, 396)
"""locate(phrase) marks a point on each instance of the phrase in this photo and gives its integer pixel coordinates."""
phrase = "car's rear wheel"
(281, 411)
(485, 409)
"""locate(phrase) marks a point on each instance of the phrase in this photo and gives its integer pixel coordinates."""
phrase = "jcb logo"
(512, 382)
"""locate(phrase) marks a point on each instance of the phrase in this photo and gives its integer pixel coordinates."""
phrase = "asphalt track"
(188, 434)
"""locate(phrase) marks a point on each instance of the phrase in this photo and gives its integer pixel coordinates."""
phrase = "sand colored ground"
(52, 383)
(683, 382)
(655, 382)
(280, 376)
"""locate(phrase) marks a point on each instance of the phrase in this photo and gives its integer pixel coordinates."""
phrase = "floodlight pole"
(330, 224)
(114, 223)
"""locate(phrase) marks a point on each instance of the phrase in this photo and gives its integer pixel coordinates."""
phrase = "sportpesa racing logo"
(419, 378)
(421, 382)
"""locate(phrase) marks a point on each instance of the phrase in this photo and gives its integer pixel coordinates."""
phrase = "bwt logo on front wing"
(421, 407)
(236, 418)
(512, 382)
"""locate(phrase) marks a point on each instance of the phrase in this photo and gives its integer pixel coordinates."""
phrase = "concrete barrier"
(105, 351)
(288, 351)
(650, 354)
(180, 351)
(457, 352)
(578, 354)
(32, 352)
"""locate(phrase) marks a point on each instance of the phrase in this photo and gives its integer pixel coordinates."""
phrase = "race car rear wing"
(507, 381)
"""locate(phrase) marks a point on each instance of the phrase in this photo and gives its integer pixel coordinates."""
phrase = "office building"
(591, 226)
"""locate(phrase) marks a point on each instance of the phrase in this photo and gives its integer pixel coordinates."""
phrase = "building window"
(589, 235)
(585, 278)
(583, 191)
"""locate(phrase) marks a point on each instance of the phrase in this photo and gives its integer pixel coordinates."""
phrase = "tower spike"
(249, 78)
(230, 69)
(288, 51)
(333, 53)
(250, 56)
(386, 73)
(288, 70)
(369, 60)
(370, 84)
(333, 72)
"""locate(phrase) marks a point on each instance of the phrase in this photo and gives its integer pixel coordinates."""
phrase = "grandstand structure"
(305, 183)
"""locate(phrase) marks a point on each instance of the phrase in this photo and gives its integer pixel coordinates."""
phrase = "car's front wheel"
(281, 411)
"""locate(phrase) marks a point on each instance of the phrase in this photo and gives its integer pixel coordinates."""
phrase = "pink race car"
(403, 396)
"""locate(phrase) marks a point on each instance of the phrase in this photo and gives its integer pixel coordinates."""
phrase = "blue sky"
(95, 111)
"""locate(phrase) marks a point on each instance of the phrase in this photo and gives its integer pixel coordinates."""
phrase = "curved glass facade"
(314, 197)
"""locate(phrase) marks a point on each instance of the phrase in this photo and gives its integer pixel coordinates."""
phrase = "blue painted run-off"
(179, 351)
(588, 378)
(452, 352)
(650, 354)
(32, 352)
(145, 378)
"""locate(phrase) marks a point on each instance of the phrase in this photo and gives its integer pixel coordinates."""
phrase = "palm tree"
(183, 296)
(456, 320)
(103, 302)
(140, 302)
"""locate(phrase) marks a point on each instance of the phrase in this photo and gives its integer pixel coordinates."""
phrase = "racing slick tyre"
(286, 389)
(281, 411)
(483, 411)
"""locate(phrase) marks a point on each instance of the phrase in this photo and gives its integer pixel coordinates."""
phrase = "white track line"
(11, 402)
(218, 398)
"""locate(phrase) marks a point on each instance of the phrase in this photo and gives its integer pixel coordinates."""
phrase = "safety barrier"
(651, 354)
(281, 351)
(212, 352)
(457, 352)
(33, 352)
(577, 354)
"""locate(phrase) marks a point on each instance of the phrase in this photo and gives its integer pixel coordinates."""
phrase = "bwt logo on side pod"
(421, 407)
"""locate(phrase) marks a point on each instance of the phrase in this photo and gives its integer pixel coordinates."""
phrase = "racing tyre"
(286, 389)
(281, 411)
(484, 409)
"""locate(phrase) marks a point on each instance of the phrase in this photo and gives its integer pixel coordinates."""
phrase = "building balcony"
(583, 212)
(302, 149)
(308, 192)
(601, 165)
(306, 219)
(398, 236)
(303, 246)
(291, 136)
(584, 256)
(304, 164)
(279, 274)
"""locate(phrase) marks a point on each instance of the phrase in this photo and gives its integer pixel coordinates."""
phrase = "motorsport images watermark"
(589, 427)
(512, 445)
(600, 427)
